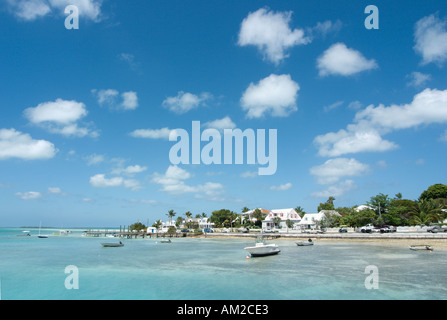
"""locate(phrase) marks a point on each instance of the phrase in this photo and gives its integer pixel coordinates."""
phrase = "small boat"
(24, 234)
(166, 241)
(421, 247)
(112, 245)
(42, 236)
(261, 249)
(305, 243)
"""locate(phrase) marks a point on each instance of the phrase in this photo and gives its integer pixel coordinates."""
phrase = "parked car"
(343, 229)
(387, 229)
(436, 229)
(208, 230)
(368, 228)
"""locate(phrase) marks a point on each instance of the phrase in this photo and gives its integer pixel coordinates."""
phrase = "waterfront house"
(277, 219)
(313, 220)
(248, 215)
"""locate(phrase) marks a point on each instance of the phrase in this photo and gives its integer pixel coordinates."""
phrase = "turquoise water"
(188, 268)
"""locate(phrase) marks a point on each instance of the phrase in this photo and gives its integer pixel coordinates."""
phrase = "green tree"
(330, 200)
(425, 212)
(379, 203)
(300, 211)
(223, 218)
(245, 209)
(157, 224)
(436, 191)
(326, 206)
(171, 214)
(137, 226)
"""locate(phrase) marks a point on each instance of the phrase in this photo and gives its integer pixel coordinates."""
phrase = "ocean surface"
(213, 269)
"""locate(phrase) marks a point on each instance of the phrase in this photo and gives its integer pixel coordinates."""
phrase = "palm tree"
(300, 211)
(330, 200)
(425, 211)
(171, 214)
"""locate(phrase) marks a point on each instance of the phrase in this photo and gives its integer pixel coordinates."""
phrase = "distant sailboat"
(41, 236)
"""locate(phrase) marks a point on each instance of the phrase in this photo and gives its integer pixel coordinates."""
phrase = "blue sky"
(86, 113)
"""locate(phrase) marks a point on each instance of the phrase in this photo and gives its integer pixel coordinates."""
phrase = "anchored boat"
(305, 243)
(421, 247)
(120, 244)
(261, 249)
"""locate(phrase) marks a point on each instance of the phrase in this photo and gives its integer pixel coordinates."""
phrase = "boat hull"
(261, 251)
(111, 245)
(421, 247)
(304, 244)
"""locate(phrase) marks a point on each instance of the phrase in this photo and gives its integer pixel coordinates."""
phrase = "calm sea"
(193, 269)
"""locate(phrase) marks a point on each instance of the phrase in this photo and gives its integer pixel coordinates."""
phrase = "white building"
(311, 220)
(283, 215)
(248, 215)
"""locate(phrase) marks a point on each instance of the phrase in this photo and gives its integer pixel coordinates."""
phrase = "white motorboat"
(421, 247)
(261, 249)
(305, 243)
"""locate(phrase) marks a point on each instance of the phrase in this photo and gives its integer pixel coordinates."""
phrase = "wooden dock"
(131, 235)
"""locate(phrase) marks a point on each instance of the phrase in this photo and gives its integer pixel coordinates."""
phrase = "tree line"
(430, 207)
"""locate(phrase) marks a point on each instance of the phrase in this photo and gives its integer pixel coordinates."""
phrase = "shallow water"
(218, 269)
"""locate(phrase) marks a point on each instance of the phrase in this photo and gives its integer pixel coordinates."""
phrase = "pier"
(131, 235)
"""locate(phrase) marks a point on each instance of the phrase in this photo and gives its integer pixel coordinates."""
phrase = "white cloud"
(15, 144)
(418, 79)
(30, 10)
(30, 195)
(220, 124)
(100, 181)
(60, 116)
(334, 169)
(172, 181)
(162, 133)
(59, 111)
(130, 170)
(185, 101)
(341, 60)
(326, 27)
(270, 33)
(365, 135)
(109, 97)
(94, 159)
(430, 36)
(282, 187)
(130, 100)
(352, 140)
(275, 94)
(249, 174)
(336, 190)
(428, 106)
(55, 190)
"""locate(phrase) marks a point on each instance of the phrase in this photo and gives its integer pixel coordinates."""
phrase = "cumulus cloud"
(336, 190)
(30, 195)
(60, 116)
(430, 36)
(282, 187)
(220, 124)
(270, 33)
(15, 144)
(162, 133)
(100, 181)
(30, 10)
(275, 95)
(334, 169)
(370, 124)
(173, 182)
(185, 101)
(344, 61)
(418, 79)
(109, 98)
